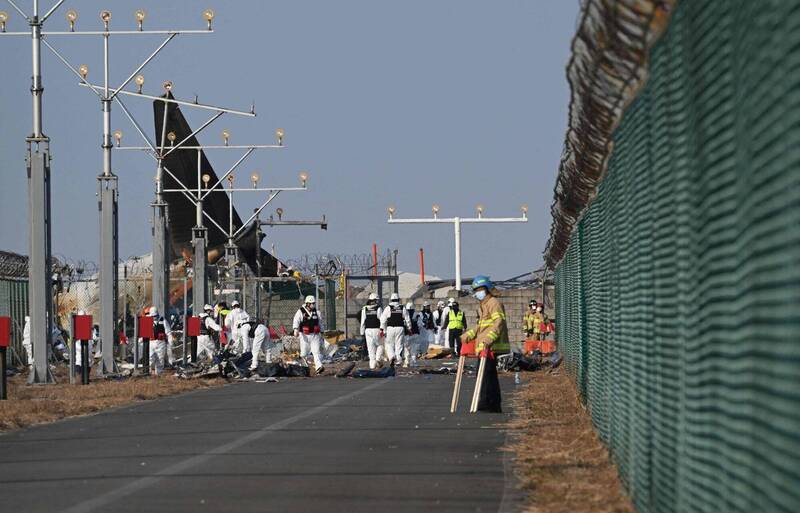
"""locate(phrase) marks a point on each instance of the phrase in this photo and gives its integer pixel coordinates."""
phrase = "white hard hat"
(426, 303)
(409, 306)
(310, 300)
(245, 317)
(208, 307)
(394, 297)
(440, 303)
(235, 303)
(450, 300)
(153, 311)
(373, 297)
(80, 312)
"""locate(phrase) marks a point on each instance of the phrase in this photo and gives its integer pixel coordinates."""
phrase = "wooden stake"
(457, 388)
(476, 394)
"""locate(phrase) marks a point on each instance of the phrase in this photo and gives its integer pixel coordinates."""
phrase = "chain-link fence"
(14, 304)
(678, 300)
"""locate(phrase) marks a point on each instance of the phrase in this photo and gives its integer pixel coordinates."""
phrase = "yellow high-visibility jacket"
(538, 319)
(529, 321)
(491, 326)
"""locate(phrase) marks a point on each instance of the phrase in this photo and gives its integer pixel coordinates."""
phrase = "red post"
(422, 266)
(375, 259)
(5, 340)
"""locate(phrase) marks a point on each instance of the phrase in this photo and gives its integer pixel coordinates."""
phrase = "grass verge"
(30, 405)
(560, 461)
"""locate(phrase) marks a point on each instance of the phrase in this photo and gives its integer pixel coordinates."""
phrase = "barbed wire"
(607, 68)
(329, 264)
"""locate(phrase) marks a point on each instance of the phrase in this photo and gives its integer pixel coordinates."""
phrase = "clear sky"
(455, 102)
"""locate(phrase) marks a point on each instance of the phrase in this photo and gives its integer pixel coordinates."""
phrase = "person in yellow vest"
(456, 323)
(538, 319)
(221, 311)
(491, 328)
(542, 322)
(528, 323)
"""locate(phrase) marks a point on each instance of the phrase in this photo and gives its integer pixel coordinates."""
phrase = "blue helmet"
(482, 281)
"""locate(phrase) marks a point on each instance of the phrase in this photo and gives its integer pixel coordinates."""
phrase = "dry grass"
(29, 405)
(561, 462)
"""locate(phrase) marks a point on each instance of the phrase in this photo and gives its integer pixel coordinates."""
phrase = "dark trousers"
(489, 398)
(455, 340)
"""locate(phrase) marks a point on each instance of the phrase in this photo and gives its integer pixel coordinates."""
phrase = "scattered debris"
(436, 351)
(386, 372)
(440, 370)
(266, 380)
(346, 370)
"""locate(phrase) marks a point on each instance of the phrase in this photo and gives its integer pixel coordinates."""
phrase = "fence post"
(123, 348)
(185, 308)
(344, 295)
(136, 344)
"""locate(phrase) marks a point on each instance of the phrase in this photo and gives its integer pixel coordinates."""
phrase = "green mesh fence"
(678, 301)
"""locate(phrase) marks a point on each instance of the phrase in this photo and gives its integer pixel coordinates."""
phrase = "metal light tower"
(231, 252)
(198, 195)
(107, 180)
(457, 222)
(37, 161)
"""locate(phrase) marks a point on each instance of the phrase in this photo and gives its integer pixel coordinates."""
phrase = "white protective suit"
(411, 339)
(310, 339)
(439, 338)
(427, 330)
(371, 330)
(240, 333)
(261, 343)
(26, 340)
(444, 331)
(158, 346)
(205, 343)
(393, 324)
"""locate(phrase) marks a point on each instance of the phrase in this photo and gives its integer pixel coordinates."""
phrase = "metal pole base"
(39, 261)
(146, 356)
(84, 362)
(199, 278)
(3, 385)
(109, 281)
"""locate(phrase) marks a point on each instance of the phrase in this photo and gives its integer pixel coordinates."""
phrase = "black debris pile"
(385, 372)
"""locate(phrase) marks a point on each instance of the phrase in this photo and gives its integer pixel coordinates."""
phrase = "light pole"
(107, 180)
(37, 161)
(457, 222)
(199, 232)
(196, 197)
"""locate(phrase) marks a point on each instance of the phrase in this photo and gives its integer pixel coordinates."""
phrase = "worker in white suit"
(307, 326)
(26, 341)
(444, 331)
(438, 315)
(261, 344)
(158, 346)
(393, 324)
(205, 341)
(232, 322)
(371, 330)
(243, 327)
(411, 338)
(427, 328)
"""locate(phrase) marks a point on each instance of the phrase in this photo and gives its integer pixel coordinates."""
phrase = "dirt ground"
(29, 405)
(562, 464)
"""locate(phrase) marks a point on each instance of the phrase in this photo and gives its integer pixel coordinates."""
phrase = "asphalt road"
(303, 445)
